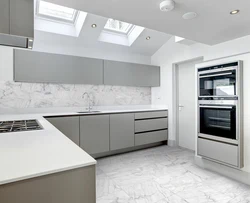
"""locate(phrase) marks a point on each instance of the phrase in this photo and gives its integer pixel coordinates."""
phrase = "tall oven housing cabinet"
(220, 132)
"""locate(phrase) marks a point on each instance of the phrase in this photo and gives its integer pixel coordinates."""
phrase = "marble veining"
(163, 175)
(38, 95)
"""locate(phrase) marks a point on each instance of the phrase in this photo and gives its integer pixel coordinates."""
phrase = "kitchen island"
(45, 165)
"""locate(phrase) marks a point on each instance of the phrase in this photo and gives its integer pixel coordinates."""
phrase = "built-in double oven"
(219, 107)
(218, 100)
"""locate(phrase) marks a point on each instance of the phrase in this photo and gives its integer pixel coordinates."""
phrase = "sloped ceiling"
(213, 25)
(88, 37)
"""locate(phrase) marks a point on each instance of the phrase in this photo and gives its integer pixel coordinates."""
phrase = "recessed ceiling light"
(234, 12)
(148, 38)
(93, 25)
(30, 40)
(30, 47)
(189, 15)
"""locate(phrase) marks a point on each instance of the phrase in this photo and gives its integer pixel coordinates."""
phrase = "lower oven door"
(218, 121)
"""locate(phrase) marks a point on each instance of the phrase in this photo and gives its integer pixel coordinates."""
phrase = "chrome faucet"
(89, 101)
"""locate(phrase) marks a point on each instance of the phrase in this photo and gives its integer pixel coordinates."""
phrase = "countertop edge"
(9, 181)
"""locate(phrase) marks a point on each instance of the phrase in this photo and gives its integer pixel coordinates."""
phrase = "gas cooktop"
(19, 126)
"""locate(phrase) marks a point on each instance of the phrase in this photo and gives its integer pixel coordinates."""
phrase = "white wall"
(52, 43)
(172, 52)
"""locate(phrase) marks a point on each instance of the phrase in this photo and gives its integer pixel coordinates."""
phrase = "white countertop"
(31, 154)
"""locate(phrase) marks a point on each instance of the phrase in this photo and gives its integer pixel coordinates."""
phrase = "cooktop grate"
(19, 126)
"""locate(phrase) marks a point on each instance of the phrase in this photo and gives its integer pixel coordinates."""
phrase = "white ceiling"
(88, 37)
(213, 25)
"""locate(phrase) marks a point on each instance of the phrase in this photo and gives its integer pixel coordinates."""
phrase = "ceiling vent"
(167, 5)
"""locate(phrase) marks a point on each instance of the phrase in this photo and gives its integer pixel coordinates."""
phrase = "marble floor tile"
(163, 175)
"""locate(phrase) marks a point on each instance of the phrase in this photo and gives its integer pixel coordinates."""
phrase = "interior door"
(186, 97)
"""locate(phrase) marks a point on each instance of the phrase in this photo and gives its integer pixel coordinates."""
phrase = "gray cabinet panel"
(222, 152)
(22, 18)
(5, 16)
(121, 131)
(130, 74)
(151, 124)
(94, 133)
(69, 126)
(154, 114)
(151, 137)
(71, 186)
(33, 66)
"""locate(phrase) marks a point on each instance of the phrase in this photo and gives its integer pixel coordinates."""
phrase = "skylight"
(56, 12)
(118, 26)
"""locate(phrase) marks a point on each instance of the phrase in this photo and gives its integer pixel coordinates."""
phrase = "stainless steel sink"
(89, 112)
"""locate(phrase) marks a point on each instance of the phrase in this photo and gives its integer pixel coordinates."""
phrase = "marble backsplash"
(37, 95)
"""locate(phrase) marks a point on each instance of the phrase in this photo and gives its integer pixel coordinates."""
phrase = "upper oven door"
(217, 84)
(218, 121)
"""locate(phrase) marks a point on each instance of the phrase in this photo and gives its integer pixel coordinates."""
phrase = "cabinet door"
(5, 16)
(121, 131)
(94, 133)
(31, 66)
(22, 18)
(69, 126)
(131, 74)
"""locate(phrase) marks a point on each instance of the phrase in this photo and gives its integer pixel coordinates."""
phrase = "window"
(118, 26)
(56, 12)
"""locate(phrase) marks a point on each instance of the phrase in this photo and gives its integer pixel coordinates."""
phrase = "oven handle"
(207, 76)
(214, 107)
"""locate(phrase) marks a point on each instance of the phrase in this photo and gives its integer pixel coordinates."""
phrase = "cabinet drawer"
(151, 124)
(222, 152)
(153, 114)
(151, 137)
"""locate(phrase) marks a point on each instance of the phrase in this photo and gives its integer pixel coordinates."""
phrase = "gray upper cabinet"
(94, 133)
(131, 74)
(69, 126)
(22, 18)
(5, 16)
(30, 66)
(17, 17)
(121, 131)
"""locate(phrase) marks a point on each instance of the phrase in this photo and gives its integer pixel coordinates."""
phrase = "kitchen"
(119, 134)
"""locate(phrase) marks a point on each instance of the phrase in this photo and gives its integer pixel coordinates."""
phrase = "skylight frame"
(115, 31)
(54, 18)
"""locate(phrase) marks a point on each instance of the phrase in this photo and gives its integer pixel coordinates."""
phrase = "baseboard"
(172, 143)
(126, 150)
(236, 174)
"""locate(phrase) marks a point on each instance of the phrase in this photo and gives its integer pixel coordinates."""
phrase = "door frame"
(175, 96)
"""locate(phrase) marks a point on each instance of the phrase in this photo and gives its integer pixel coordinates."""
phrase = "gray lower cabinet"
(97, 134)
(151, 127)
(69, 126)
(121, 131)
(5, 16)
(31, 66)
(131, 74)
(222, 152)
(72, 186)
(94, 133)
